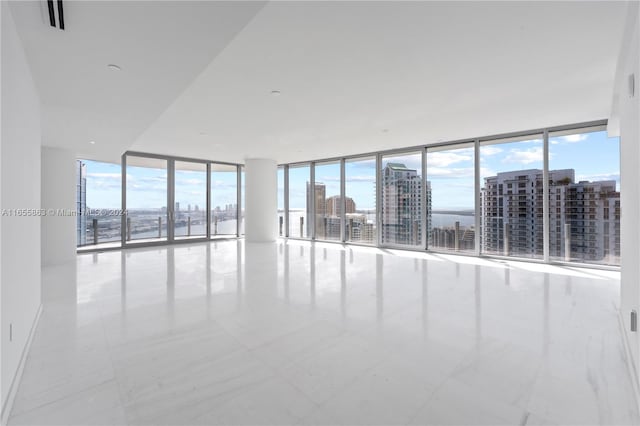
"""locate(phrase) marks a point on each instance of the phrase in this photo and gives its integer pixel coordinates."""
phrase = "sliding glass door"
(146, 199)
(190, 206)
(224, 200)
(171, 199)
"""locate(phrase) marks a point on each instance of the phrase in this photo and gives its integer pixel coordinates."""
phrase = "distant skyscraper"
(334, 206)
(81, 202)
(177, 206)
(358, 228)
(320, 194)
(402, 205)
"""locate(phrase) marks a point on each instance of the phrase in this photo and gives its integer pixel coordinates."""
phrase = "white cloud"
(526, 156)
(486, 172)
(449, 172)
(104, 175)
(190, 182)
(364, 164)
(219, 184)
(104, 181)
(361, 178)
(574, 138)
(486, 151)
(569, 139)
(445, 159)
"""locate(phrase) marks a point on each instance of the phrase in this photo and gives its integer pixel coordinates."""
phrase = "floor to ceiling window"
(98, 202)
(584, 197)
(299, 182)
(437, 205)
(224, 199)
(401, 197)
(511, 172)
(328, 201)
(451, 194)
(146, 195)
(360, 200)
(190, 208)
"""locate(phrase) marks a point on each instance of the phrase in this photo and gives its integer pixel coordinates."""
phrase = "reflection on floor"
(298, 333)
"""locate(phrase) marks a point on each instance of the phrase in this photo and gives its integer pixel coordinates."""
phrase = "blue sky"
(593, 156)
(146, 187)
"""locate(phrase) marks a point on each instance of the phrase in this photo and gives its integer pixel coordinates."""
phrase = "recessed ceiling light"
(275, 93)
(92, 142)
(114, 67)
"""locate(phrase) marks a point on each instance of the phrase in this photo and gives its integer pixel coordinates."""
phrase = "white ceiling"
(354, 77)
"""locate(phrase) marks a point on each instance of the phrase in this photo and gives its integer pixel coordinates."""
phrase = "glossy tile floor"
(295, 333)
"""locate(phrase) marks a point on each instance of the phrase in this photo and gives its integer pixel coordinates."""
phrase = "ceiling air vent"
(52, 14)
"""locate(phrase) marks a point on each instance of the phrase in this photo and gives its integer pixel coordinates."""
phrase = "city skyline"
(593, 155)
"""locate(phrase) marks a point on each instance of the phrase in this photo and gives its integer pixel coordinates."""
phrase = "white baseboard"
(7, 404)
(631, 365)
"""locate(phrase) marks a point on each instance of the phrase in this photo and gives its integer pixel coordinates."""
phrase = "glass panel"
(584, 198)
(328, 201)
(224, 199)
(191, 200)
(299, 177)
(360, 194)
(98, 202)
(281, 230)
(511, 197)
(146, 199)
(451, 195)
(402, 202)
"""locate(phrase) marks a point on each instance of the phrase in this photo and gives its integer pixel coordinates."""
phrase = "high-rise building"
(359, 229)
(402, 205)
(584, 217)
(320, 194)
(511, 211)
(81, 202)
(584, 221)
(334, 206)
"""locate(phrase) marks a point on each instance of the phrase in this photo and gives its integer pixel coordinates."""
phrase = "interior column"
(261, 200)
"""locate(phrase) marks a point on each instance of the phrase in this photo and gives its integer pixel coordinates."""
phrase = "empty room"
(320, 212)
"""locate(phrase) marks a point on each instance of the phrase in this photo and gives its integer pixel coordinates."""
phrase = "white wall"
(261, 200)
(58, 192)
(20, 188)
(627, 123)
